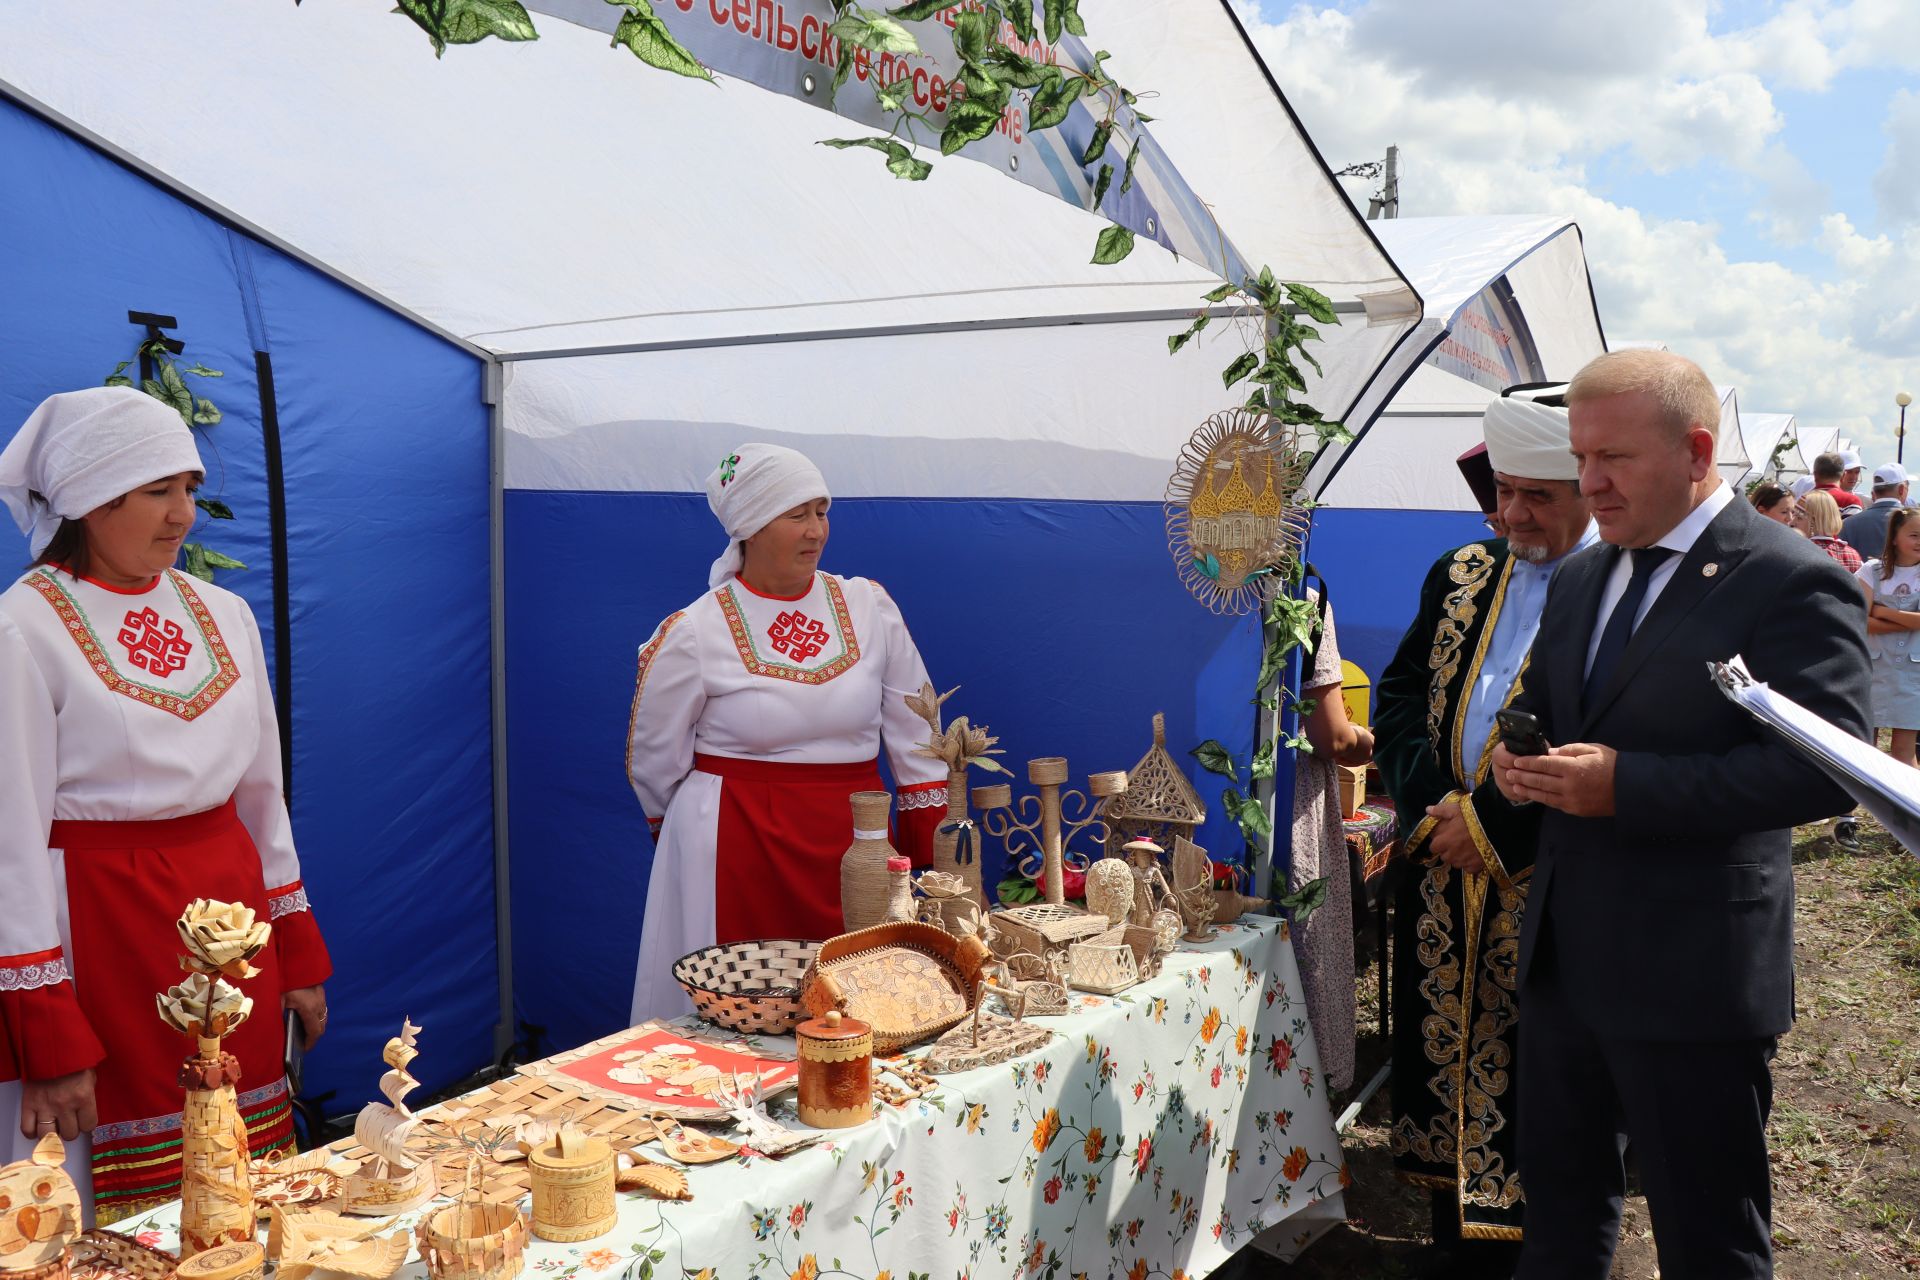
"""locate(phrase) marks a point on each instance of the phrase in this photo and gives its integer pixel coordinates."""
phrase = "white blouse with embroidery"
(818, 680)
(125, 707)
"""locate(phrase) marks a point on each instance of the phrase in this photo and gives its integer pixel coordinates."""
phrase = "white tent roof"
(557, 199)
(1406, 459)
(1732, 456)
(1813, 442)
(1772, 445)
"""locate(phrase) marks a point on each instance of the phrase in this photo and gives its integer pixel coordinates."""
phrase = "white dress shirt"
(1681, 539)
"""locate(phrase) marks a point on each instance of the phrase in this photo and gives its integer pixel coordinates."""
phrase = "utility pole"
(1387, 203)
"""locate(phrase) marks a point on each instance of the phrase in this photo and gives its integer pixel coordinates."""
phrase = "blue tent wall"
(1062, 622)
(385, 461)
(1374, 563)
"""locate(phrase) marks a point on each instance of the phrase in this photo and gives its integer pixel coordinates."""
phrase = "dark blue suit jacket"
(1673, 919)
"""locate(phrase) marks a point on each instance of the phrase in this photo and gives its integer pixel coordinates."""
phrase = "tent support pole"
(492, 386)
(1171, 315)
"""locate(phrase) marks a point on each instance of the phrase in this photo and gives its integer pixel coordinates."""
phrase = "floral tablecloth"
(1160, 1131)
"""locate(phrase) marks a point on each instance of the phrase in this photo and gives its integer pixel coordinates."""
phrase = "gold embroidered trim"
(756, 665)
(225, 673)
(1473, 669)
(648, 652)
(1471, 565)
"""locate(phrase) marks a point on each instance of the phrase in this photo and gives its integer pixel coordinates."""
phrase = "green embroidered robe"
(1456, 935)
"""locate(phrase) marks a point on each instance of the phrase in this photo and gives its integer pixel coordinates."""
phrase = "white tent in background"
(1812, 442)
(1773, 445)
(1509, 301)
(1732, 456)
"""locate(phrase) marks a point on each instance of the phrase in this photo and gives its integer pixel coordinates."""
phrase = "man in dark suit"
(1656, 958)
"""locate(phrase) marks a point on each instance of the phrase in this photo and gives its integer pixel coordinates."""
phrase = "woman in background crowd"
(1892, 586)
(1823, 529)
(1774, 502)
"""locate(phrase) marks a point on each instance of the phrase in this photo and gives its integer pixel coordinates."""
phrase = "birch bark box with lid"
(836, 1071)
(573, 1183)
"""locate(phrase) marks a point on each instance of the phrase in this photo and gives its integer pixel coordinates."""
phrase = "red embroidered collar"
(224, 674)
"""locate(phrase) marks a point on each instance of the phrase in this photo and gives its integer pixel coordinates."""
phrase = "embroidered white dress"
(124, 710)
(753, 720)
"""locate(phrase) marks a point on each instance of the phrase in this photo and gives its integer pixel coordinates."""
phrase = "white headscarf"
(1529, 439)
(750, 488)
(81, 449)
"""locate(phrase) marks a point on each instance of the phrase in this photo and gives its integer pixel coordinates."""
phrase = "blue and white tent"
(487, 321)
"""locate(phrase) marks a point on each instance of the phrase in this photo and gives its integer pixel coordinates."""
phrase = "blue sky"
(1735, 157)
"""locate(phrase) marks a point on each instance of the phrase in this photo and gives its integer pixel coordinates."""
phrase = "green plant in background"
(169, 387)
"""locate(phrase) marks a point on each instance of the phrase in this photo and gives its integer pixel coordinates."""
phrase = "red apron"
(127, 883)
(782, 830)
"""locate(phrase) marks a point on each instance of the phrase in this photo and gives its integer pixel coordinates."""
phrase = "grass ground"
(1845, 1132)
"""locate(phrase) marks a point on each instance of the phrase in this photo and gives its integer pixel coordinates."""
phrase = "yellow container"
(1356, 691)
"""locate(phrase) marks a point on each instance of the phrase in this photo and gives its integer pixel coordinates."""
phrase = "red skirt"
(781, 832)
(127, 883)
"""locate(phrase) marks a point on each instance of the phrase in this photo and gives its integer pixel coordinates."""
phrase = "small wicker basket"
(750, 987)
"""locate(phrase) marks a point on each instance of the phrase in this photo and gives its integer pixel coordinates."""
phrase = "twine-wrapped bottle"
(864, 879)
(956, 843)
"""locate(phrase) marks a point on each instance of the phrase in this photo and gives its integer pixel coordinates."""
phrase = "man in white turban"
(1463, 886)
(757, 710)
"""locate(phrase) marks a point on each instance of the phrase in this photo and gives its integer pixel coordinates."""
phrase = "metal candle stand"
(1036, 834)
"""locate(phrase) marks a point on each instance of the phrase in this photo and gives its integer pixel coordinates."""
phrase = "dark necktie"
(1613, 641)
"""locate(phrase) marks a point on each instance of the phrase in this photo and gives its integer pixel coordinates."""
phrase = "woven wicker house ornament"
(1158, 804)
(1235, 521)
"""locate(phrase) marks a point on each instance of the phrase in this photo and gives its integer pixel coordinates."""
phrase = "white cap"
(1891, 473)
(1849, 459)
(1803, 486)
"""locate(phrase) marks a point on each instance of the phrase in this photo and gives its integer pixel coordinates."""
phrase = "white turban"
(82, 449)
(1528, 439)
(750, 488)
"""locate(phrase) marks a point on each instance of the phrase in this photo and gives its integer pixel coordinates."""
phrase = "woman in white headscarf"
(758, 709)
(139, 770)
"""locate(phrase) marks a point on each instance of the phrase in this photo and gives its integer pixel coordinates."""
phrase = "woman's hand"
(1360, 750)
(311, 1004)
(62, 1105)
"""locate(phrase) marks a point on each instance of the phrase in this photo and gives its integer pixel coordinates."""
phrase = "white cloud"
(1502, 108)
(1893, 185)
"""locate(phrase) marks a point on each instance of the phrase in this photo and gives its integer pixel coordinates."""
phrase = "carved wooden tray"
(909, 982)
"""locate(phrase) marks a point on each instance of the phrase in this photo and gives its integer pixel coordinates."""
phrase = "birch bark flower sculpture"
(216, 1187)
(222, 937)
(956, 843)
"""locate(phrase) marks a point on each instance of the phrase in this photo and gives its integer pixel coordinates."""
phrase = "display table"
(1157, 1133)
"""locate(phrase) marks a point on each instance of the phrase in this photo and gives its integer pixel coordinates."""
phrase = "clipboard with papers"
(1887, 789)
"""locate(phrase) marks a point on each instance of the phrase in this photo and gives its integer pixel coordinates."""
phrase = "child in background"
(1892, 586)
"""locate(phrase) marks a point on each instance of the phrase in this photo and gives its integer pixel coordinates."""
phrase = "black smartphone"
(1520, 731)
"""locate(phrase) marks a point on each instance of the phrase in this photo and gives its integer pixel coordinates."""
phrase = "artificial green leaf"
(1016, 69)
(118, 370)
(893, 97)
(117, 380)
(171, 390)
(1115, 243)
(1297, 742)
(1257, 398)
(921, 10)
(1100, 184)
(968, 120)
(1273, 660)
(198, 370)
(215, 560)
(1240, 368)
(1222, 293)
(1250, 814)
(1054, 99)
(1334, 433)
(1070, 13)
(1262, 766)
(1054, 21)
(1305, 706)
(468, 21)
(1304, 901)
(197, 561)
(649, 40)
(972, 32)
(1126, 177)
(982, 87)
(205, 414)
(873, 31)
(901, 162)
(215, 508)
(1314, 303)
(1209, 564)
(1179, 340)
(1097, 145)
(1297, 619)
(1214, 758)
(1020, 13)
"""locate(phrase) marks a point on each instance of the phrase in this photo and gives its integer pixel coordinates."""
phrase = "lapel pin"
(1708, 570)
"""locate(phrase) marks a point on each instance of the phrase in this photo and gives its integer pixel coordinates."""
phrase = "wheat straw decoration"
(960, 746)
(1235, 519)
